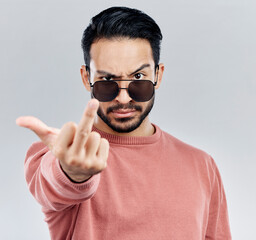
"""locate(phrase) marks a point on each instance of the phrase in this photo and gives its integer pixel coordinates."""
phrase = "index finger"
(84, 128)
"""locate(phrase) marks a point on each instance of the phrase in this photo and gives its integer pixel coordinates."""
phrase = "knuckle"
(74, 159)
(92, 164)
(87, 165)
(97, 167)
(104, 141)
(104, 165)
(100, 165)
(89, 114)
(84, 133)
(73, 162)
(95, 135)
(69, 125)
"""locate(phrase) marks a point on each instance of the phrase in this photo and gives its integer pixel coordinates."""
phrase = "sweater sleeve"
(218, 222)
(49, 184)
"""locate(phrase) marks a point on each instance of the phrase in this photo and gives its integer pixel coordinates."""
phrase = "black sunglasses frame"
(124, 80)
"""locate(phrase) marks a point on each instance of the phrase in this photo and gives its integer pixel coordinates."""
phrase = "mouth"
(123, 113)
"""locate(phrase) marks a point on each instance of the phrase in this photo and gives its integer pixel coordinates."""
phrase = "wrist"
(78, 179)
(75, 178)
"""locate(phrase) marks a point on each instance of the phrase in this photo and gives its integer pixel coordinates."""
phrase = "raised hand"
(81, 152)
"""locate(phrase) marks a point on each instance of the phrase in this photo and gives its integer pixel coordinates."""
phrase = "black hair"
(121, 22)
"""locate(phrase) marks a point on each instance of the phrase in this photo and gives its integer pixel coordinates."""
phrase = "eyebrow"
(140, 68)
(108, 74)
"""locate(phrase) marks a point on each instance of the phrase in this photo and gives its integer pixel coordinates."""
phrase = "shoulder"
(180, 145)
(186, 151)
(191, 157)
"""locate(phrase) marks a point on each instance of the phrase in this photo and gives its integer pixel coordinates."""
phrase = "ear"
(159, 74)
(85, 77)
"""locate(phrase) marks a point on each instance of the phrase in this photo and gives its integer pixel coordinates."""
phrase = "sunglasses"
(138, 90)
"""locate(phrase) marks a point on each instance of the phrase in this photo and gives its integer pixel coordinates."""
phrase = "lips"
(123, 113)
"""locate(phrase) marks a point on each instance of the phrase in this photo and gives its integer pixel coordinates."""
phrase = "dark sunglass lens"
(105, 91)
(141, 90)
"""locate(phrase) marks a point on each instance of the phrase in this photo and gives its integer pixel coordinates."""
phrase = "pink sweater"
(154, 188)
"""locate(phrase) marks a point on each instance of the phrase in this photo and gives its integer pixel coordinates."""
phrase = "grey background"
(207, 98)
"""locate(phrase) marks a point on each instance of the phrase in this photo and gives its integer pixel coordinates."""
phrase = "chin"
(127, 124)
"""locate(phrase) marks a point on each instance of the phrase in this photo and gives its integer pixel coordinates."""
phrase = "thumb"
(45, 133)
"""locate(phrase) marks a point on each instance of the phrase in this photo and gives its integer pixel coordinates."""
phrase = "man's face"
(122, 59)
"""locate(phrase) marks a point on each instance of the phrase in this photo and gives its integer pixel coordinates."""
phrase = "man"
(155, 186)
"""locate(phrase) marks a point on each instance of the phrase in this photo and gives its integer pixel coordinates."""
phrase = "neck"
(144, 130)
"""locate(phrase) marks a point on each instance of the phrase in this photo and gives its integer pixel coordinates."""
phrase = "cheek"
(103, 106)
(145, 105)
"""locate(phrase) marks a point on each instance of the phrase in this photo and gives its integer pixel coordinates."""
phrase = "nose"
(123, 96)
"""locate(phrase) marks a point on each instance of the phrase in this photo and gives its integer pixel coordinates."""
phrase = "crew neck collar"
(128, 140)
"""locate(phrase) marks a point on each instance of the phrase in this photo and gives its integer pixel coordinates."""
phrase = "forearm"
(49, 184)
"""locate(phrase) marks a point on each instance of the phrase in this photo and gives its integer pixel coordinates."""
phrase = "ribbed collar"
(127, 140)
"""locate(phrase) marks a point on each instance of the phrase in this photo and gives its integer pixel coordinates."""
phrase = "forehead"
(120, 55)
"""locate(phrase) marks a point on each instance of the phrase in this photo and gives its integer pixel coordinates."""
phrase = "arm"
(218, 221)
(49, 184)
(56, 169)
